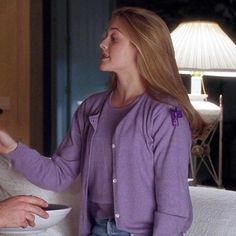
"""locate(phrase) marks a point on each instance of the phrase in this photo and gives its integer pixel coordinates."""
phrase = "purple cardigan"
(150, 166)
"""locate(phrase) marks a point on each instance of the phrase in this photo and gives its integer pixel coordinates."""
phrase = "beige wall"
(21, 70)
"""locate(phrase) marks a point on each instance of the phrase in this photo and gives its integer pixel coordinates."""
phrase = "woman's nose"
(103, 44)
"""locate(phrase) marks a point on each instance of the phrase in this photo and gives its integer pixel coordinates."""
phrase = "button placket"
(114, 180)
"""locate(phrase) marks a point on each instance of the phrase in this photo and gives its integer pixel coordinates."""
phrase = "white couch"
(214, 212)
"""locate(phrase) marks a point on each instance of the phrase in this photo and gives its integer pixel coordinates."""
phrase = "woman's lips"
(105, 58)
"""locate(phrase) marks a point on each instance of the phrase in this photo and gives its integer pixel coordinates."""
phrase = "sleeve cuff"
(165, 224)
(18, 151)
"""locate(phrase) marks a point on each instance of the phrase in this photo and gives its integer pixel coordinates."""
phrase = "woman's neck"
(126, 91)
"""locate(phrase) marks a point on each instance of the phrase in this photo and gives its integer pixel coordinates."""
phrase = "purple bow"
(175, 115)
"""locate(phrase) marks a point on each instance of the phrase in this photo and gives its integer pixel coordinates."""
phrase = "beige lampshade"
(203, 46)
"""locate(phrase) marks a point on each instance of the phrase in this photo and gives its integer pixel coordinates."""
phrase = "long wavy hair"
(156, 60)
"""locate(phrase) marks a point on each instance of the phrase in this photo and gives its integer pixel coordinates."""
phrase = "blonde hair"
(156, 60)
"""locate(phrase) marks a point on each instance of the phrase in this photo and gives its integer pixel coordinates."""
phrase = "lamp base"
(209, 111)
(198, 97)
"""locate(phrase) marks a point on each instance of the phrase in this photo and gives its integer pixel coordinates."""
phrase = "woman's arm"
(55, 173)
(172, 143)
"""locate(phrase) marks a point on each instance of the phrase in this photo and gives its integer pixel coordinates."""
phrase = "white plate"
(56, 214)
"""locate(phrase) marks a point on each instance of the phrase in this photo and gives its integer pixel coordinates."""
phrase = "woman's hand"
(19, 211)
(7, 143)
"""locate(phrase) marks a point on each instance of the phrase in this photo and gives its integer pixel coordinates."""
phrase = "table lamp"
(203, 48)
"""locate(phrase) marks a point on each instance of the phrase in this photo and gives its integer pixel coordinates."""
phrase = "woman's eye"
(114, 38)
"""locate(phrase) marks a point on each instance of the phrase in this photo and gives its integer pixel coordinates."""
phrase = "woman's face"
(118, 53)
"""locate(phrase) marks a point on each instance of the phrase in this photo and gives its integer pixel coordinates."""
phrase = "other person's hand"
(20, 211)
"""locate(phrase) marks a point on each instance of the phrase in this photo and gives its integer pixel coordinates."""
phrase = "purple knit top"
(100, 177)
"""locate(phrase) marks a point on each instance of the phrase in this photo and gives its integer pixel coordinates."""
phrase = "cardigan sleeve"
(57, 172)
(172, 143)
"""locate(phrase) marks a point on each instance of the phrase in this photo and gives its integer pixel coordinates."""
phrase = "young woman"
(130, 144)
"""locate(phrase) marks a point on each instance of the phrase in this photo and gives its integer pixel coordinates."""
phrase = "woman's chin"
(104, 68)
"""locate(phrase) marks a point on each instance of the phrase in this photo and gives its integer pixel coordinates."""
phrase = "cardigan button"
(117, 215)
(113, 145)
(114, 180)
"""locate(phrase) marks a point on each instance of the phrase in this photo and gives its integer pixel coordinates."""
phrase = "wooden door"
(22, 109)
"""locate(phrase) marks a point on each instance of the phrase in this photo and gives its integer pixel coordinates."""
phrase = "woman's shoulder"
(161, 103)
(94, 102)
(164, 109)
